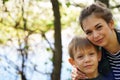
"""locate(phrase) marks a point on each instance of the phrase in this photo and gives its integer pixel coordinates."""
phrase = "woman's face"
(97, 30)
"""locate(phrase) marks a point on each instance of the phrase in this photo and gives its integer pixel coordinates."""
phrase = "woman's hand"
(77, 74)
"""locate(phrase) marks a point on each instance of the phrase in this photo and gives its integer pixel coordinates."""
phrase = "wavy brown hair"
(98, 9)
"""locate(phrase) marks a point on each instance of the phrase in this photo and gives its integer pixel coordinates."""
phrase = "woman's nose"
(95, 34)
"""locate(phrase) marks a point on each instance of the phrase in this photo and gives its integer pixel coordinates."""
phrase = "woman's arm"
(77, 74)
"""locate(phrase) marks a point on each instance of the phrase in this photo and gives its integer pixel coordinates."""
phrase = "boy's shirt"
(100, 77)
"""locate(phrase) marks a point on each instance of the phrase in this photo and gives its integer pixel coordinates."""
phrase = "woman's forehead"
(91, 22)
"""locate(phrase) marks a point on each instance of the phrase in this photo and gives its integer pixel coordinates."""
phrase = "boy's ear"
(99, 55)
(71, 61)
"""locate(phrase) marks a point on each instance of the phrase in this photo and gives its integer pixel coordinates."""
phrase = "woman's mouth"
(99, 41)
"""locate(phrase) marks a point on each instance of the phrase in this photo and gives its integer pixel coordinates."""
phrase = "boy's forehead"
(85, 48)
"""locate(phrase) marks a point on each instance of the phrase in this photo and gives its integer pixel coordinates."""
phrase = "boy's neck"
(92, 75)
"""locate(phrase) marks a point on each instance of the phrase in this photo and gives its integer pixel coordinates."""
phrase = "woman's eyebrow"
(97, 24)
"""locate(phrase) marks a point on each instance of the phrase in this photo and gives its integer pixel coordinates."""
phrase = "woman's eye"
(89, 32)
(99, 27)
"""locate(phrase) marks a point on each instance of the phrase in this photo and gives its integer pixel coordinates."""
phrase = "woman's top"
(109, 63)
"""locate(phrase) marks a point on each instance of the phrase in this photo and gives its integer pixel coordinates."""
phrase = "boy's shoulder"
(100, 77)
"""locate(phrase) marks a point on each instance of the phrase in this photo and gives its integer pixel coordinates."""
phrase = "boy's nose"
(87, 59)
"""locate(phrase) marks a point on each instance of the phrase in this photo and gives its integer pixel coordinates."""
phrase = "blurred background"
(34, 37)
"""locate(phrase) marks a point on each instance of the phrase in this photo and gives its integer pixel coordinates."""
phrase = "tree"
(22, 24)
(57, 55)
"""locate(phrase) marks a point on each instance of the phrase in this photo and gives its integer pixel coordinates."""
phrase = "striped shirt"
(114, 60)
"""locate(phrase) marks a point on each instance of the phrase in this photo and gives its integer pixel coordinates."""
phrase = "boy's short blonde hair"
(79, 43)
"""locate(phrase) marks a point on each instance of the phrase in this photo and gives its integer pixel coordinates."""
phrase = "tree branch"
(117, 6)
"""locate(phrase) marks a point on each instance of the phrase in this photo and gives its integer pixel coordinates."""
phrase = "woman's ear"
(111, 24)
(99, 55)
(71, 61)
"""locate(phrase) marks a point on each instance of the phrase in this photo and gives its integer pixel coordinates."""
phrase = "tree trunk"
(57, 55)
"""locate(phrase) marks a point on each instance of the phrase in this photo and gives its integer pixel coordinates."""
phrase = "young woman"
(97, 22)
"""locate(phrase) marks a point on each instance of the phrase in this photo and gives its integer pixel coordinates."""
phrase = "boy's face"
(87, 60)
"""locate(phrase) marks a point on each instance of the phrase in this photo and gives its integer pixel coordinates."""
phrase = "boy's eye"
(81, 56)
(91, 54)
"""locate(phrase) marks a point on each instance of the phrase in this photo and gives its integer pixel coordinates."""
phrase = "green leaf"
(48, 49)
(68, 4)
(4, 1)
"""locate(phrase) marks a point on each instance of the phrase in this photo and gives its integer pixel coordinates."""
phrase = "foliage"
(19, 19)
(32, 17)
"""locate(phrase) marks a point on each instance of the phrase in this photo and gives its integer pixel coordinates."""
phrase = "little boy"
(85, 56)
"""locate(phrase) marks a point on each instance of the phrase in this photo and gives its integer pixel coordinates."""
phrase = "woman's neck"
(114, 45)
(113, 49)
